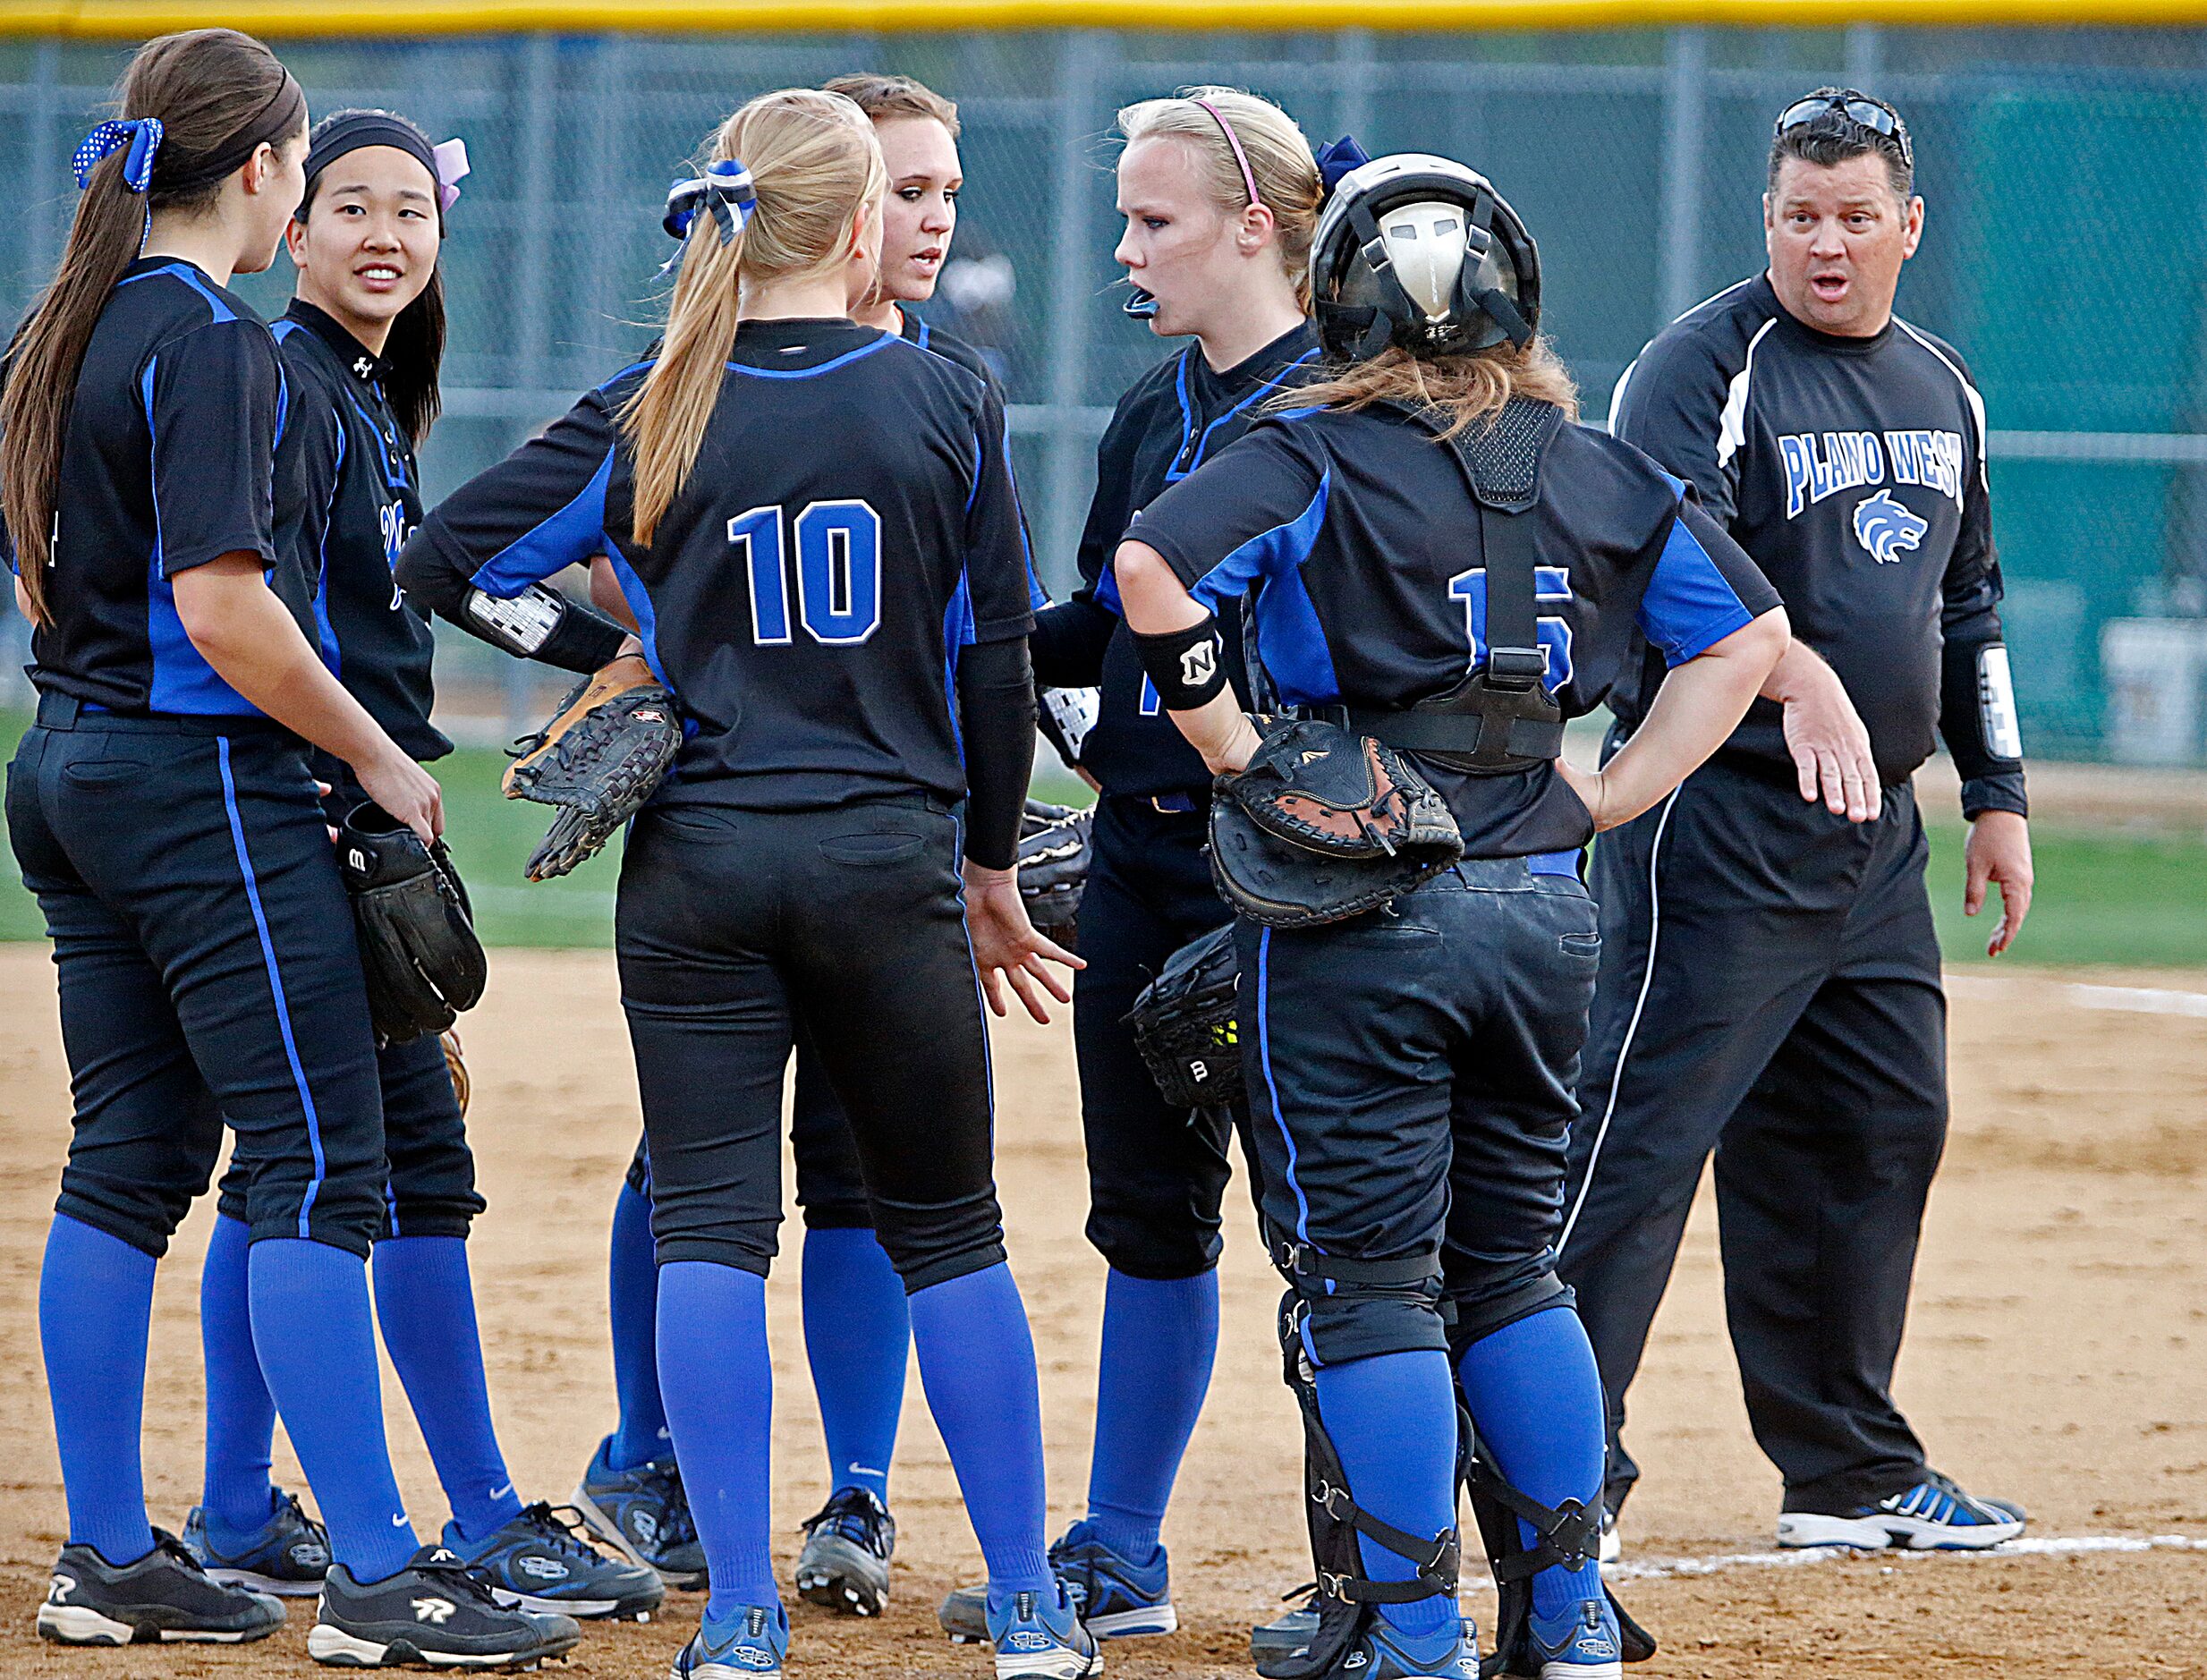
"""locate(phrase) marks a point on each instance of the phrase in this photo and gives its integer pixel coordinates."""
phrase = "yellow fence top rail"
(134, 19)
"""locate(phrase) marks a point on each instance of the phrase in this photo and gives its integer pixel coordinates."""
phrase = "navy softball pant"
(209, 972)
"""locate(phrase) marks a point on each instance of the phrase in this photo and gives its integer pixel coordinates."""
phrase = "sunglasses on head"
(1874, 115)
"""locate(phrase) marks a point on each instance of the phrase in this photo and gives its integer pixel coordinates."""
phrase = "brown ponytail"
(813, 162)
(212, 89)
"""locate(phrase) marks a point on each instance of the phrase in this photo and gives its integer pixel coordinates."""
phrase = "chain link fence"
(2066, 173)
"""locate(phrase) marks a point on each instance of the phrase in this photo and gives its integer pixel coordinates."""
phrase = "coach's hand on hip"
(1999, 851)
(1830, 745)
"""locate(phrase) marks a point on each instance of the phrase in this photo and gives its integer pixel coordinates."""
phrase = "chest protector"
(1501, 717)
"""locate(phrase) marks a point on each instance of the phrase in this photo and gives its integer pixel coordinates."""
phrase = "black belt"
(66, 711)
(1454, 735)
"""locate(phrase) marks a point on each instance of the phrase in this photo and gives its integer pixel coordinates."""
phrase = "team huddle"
(1352, 565)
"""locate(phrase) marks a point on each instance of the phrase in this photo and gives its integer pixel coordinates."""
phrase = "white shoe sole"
(1061, 1664)
(581, 1609)
(1803, 1529)
(1582, 1671)
(1150, 1618)
(341, 1649)
(77, 1625)
(606, 1528)
(267, 1585)
(724, 1671)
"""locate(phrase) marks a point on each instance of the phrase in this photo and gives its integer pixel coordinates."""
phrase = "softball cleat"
(166, 1596)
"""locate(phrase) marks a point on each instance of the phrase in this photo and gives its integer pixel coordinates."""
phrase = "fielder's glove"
(1185, 1023)
(1053, 868)
(597, 760)
(418, 943)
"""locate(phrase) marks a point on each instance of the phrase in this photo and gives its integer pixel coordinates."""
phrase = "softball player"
(1844, 449)
(1411, 1068)
(856, 1329)
(164, 812)
(846, 631)
(360, 348)
(1220, 194)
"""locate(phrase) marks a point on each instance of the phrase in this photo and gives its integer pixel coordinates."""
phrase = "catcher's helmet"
(1419, 250)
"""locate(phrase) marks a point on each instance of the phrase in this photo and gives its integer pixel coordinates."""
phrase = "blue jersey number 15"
(838, 572)
(1549, 583)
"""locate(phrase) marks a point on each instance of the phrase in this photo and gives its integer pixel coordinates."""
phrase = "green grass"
(2103, 897)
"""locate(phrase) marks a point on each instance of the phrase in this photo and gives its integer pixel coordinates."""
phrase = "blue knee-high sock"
(1393, 1421)
(240, 1414)
(426, 1305)
(317, 1342)
(1535, 1398)
(977, 1365)
(1159, 1339)
(856, 1332)
(718, 1386)
(633, 1274)
(95, 1299)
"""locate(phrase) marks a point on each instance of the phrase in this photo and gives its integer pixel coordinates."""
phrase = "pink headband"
(1249, 181)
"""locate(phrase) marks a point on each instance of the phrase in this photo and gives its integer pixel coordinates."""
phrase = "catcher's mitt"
(1053, 868)
(1324, 825)
(1184, 1025)
(418, 943)
(599, 760)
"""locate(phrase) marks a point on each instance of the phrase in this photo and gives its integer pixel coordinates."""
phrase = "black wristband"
(1187, 667)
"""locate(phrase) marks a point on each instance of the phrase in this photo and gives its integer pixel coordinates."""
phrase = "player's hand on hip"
(1006, 949)
(1830, 747)
(1999, 851)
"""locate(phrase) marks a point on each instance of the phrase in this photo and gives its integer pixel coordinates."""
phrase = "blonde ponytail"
(813, 163)
(1281, 166)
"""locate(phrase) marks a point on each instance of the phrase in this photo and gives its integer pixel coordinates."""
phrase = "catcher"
(1410, 1067)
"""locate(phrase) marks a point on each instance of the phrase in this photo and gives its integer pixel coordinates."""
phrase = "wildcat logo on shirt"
(1819, 464)
(1886, 528)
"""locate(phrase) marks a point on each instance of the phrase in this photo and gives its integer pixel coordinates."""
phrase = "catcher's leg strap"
(1438, 1561)
(1569, 1533)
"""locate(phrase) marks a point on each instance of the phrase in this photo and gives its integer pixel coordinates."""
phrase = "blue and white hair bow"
(141, 134)
(725, 190)
(1337, 158)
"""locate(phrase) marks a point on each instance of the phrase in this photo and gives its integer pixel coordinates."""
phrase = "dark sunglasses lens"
(1804, 111)
(1871, 117)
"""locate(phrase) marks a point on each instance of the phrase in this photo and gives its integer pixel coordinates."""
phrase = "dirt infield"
(2058, 1357)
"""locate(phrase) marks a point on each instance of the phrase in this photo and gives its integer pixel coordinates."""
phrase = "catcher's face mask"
(1419, 251)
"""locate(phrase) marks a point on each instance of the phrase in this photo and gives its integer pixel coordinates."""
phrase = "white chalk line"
(2049, 1546)
(2144, 1000)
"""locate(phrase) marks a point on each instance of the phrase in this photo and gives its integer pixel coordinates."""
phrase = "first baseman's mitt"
(1053, 868)
(1324, 825)
(598, 759)
(418, 943)
(1185, 1023)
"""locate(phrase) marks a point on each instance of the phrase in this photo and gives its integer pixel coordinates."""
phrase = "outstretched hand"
(1006, 949)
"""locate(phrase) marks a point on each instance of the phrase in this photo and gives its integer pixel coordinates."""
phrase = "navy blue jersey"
(353, 496)
(1853, 470)
(169, 462)
(953, 348)
(1171, 421)
(850, 524)
(1357, 539)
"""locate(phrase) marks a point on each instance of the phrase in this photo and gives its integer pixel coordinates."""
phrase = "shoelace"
(663, 1484)
(559, 1527)
(857, 1516)
(164, 1541)
(290, 1508)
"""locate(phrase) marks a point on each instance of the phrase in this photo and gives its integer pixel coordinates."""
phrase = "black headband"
(350, 131)
(285, 111)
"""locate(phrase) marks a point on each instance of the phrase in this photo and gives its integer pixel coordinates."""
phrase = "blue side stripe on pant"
(1264, 1057)
(276, 978)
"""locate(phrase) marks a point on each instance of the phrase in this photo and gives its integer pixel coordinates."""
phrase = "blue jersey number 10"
(1549, 583)
(838, 572)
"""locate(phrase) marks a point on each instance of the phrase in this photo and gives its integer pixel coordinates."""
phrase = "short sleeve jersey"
(354, 497)
(1357, 539)
(1853, 470)
(169, 462)
(1171, 421)
(849, 525)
